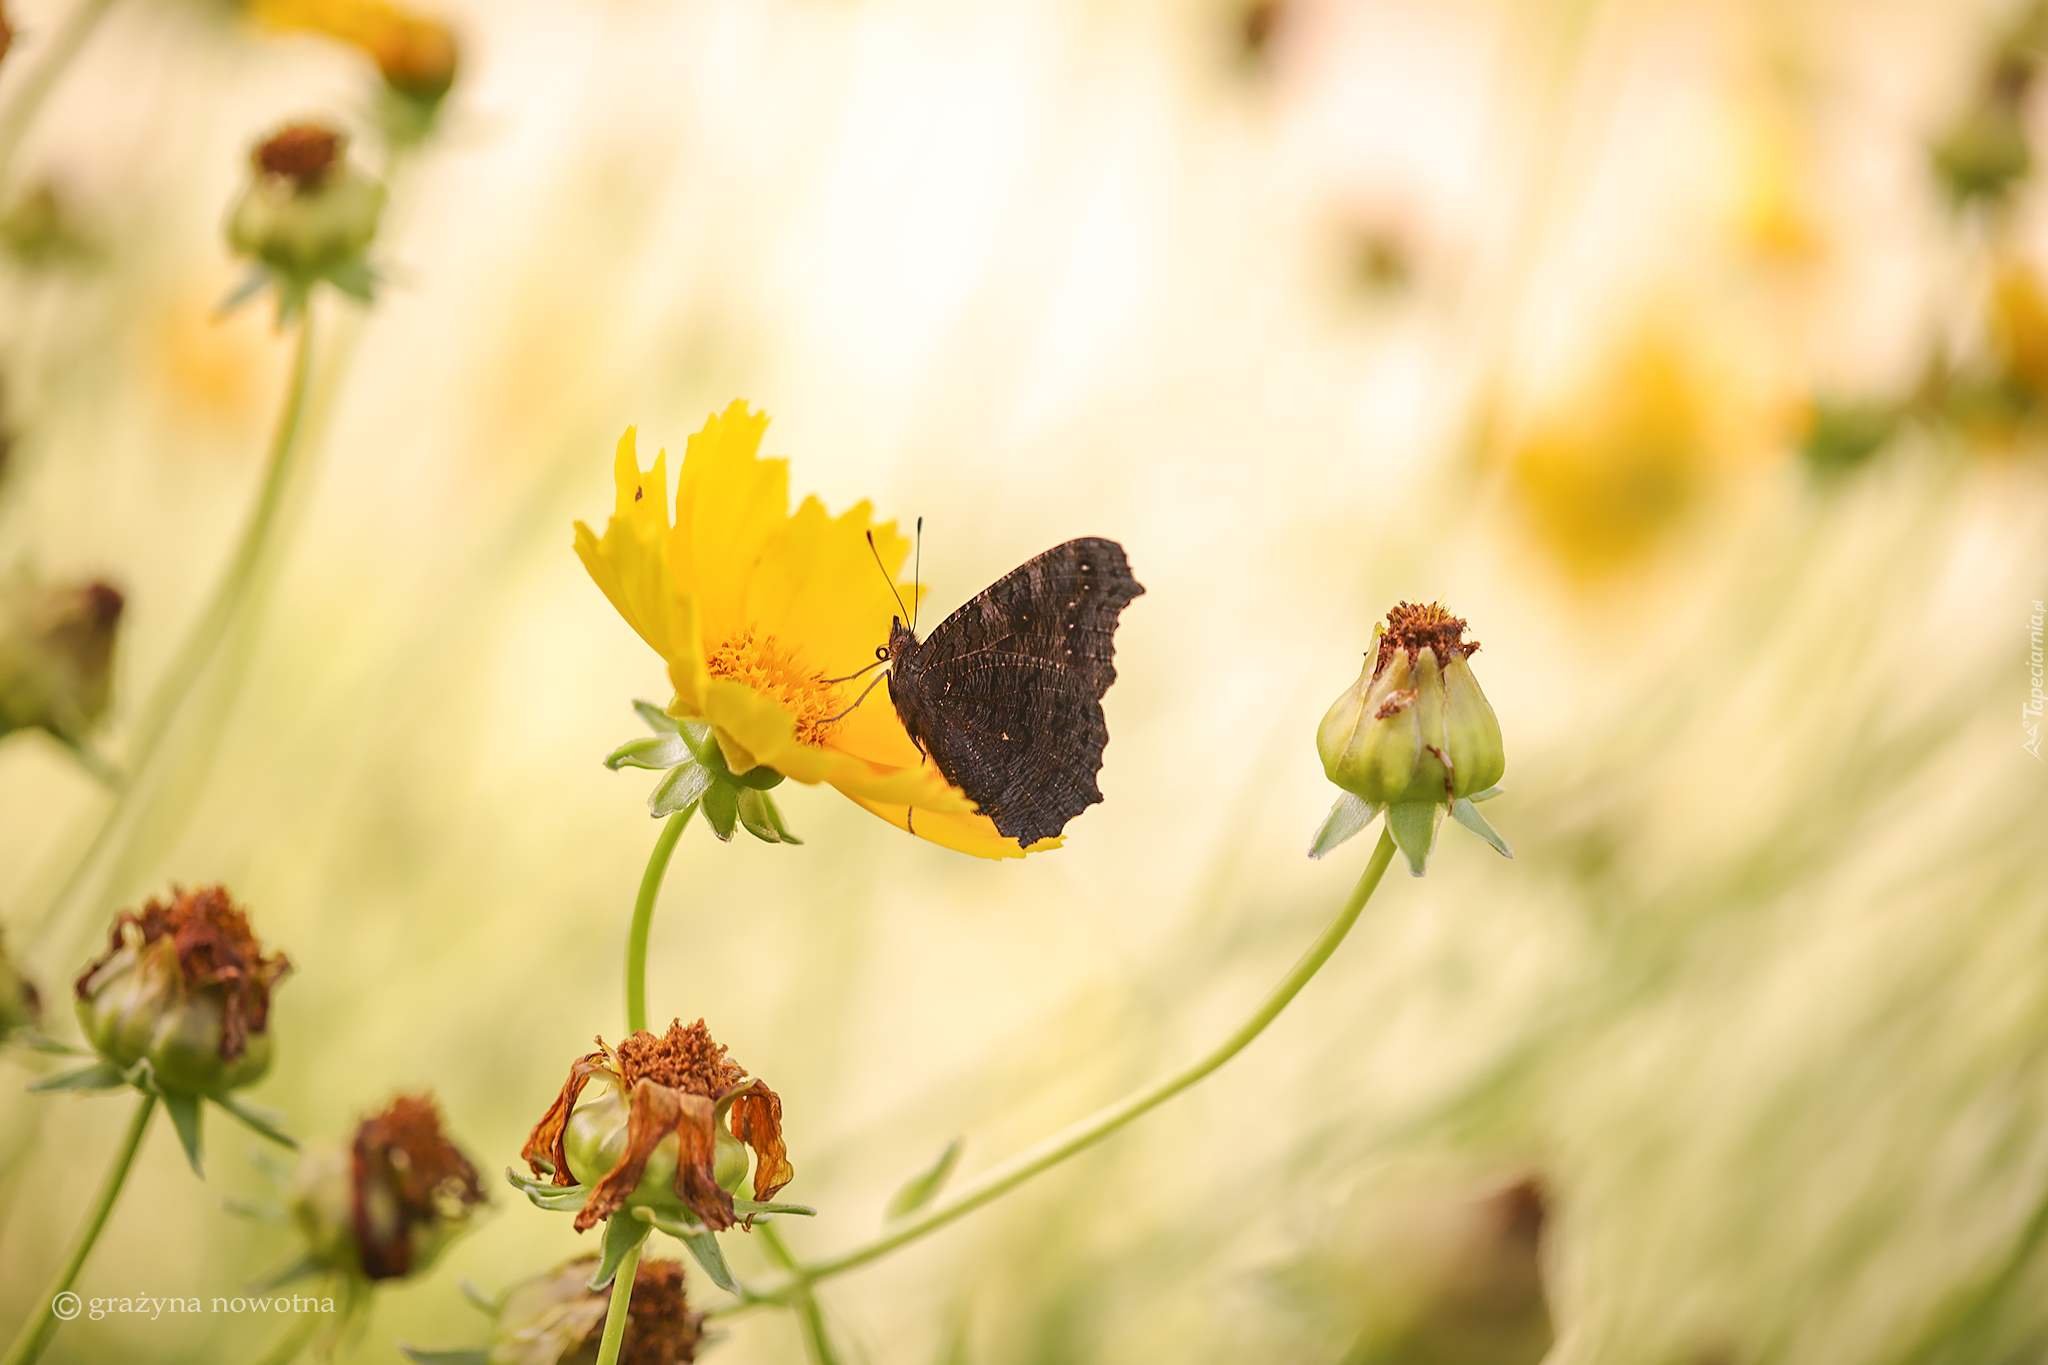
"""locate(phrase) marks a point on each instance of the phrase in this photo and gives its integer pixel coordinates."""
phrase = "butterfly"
(1006, 694)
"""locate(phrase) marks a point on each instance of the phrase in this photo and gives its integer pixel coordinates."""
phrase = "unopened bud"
(56, 655)
(307, 215)
(185, 986)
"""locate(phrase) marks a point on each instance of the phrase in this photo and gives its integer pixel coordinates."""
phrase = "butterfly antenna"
(917, 573)
(888, 577)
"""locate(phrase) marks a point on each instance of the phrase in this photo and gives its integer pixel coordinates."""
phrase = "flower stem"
(212, 627)
(293, 1343)
(36, 1333)
(817, 1341)
(616, 1314)
(643, 918)
(36, 86)
(999, 1181)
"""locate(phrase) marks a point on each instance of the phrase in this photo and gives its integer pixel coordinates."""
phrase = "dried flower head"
(186, 985)
(654, 1136)
(56, 655)
(383, 1205)
(302, 153)
(1413, 736)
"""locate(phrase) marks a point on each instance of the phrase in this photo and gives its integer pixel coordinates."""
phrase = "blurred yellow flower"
(416, 55)
(758, 612)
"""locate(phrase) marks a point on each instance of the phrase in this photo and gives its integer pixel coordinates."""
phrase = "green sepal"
(1350, 815)
(621, 1235)
(760, 778)
(1413, 825)
(761, 1210)
(1495, 790)
(758, 813)
(658, 720)
(35, 1040)
(553, 1198)
(679, 791)
(101, 1075)
(480, 1300)
(722, 810)
(252, 284)
(654, 751)
(703, 1244)
(1466, 814)
(923, 1187)
(258, 1120)
(186, 1117)
(304, 1268)
(474, 1356)
(255, 1213)
(354, 278)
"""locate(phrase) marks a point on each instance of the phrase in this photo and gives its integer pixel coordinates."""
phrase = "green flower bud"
(20, 1005)
(56, 656)
(1414, 736)
(1415, 726)
(307, 216)
(186, 987)
(383, 1205)
(669, 1131)
(697, 775)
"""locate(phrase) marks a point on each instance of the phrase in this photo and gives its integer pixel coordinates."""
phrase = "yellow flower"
(757, 610)
(416, 55)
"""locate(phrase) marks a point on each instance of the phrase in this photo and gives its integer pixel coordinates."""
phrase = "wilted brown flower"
(56, 655)
(185, 984)
(676, 1085)
(384, 1204)
(302, 153)
(557, 1318)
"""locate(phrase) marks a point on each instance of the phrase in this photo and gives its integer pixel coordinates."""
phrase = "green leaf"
(1467, 814)
(722, 809)
(761, 778)
(680, 791)
(655, 751)
(1413, 825)
(658, 720)
(258, 1120)
(1350, 815)
(762, 820)
(922, 1188)
(186, 1114)
(355, 279)
(307, 1266)
(474, 1356)
(101, 1075)
(621, 1235)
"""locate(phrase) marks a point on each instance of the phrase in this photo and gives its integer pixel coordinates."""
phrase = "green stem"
(292, 1344)
(1000, 1180)
(616, 1315)
(643, 918)
(36, 1333)
(817, 1341)
(36, 86)
(220, 614)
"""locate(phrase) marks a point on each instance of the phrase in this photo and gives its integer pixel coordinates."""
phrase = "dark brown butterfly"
(1006, 695)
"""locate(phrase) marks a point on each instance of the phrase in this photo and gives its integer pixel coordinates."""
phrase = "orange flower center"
(765, 666)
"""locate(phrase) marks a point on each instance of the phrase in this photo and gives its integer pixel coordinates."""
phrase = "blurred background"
(1697, 353)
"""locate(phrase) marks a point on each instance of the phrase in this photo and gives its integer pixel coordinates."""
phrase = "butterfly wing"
(1006, 694)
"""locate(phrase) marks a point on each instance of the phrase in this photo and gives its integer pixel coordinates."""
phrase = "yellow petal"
(975, 834)
(729, 502)
(629, 563)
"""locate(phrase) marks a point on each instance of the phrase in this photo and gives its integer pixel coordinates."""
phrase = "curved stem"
(36, 1333)
(817, 1340)
(617, 1313)
(36, 86)
(212, 627)
(643, 918)
(1000, 1180)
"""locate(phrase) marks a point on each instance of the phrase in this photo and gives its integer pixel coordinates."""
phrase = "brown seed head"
(1413, 627)
(404, 1152)
(660, 1328)
(685, 1059)
(217, 950)
(302, 153)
